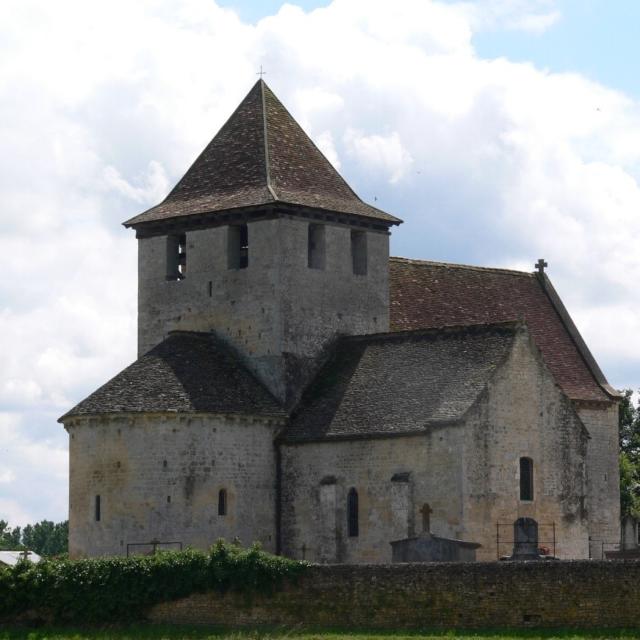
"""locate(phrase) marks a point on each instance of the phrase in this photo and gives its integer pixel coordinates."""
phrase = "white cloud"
(326, 145)
(379, 153)
(153, 188)
(33, 475)
(7, 476)
(104, 105)
(532, 16)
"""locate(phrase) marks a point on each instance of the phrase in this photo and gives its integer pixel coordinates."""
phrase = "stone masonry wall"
(158, 477)
(525, 414)
(603, 481)
(278, 312)
(581, 594)
(317, 477)
(467, 473)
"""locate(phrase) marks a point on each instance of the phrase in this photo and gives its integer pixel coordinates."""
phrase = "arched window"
(238, 246)
(222, 502)
(526, 479)
(352, 513)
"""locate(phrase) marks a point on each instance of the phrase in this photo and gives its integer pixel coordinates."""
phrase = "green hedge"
(118, 589)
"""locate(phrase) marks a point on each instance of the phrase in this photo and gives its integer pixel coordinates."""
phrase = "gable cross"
(261, 73)
(426, 512)
(541, 265)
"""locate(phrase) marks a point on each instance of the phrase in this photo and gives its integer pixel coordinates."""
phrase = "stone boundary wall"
(582, 594)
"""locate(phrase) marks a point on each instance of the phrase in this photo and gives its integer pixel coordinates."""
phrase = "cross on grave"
(541, 265)
(426, 512)
(261, 73)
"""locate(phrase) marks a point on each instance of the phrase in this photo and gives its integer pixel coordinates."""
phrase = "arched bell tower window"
(352, 513)
(238, 246)
(526, 479)
(222, 502)
(176, 256)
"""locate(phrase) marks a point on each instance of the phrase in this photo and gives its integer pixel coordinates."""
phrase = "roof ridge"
(355, 195)
(454, 265)
(576, 337)
(446, 328)
(267, 164)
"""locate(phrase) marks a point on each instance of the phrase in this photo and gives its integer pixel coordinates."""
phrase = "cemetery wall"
(580, 594)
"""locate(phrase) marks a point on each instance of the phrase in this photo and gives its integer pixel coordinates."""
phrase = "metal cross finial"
(541, 265)
(261, 73)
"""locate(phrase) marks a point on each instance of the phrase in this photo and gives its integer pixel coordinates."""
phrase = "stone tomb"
(429, 548)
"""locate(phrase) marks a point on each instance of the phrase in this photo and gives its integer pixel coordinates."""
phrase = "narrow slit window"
(352, 513)
(238, 246)
(526, 479)
(359, 252)
(98, 514)
(222, 502)
(315, 247)
(176, 256)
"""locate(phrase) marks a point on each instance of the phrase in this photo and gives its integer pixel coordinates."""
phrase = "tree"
(629, 439)
(47, 538)
(9, 538)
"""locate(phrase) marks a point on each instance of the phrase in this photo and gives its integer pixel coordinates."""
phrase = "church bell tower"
(265, 244)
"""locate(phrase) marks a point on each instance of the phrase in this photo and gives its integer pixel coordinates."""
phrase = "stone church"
(298, 387)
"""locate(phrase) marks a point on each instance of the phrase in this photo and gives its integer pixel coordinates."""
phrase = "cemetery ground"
(156, 632)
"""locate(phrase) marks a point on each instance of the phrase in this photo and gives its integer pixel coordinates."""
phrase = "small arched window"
(222, 502)
(526, 479)
(352, 513)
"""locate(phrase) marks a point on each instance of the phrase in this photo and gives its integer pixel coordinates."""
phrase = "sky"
(500, 131)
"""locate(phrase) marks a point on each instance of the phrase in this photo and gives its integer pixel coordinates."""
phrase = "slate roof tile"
(430, 294)
(385, 385)
(187, 372)
(260, 156)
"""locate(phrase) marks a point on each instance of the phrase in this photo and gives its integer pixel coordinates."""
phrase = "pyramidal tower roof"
(261, 156)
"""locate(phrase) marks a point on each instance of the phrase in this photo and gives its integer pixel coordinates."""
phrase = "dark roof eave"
(510, 326)
(428, 426)
(217, 217)
(279, 417)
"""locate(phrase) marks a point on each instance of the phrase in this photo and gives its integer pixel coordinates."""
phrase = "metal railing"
(613, 550)
(152, 547)
(545, 542)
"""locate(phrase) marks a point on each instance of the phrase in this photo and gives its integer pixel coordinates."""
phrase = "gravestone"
(525, 539)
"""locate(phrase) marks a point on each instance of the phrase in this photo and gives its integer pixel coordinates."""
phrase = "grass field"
(204, 633)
